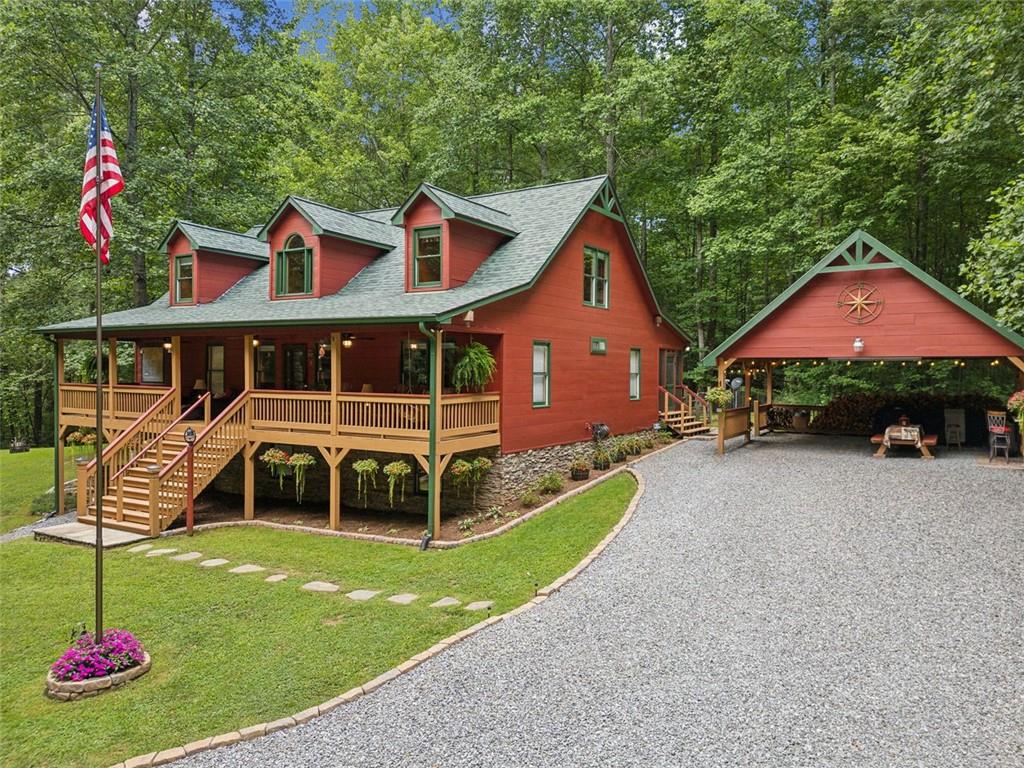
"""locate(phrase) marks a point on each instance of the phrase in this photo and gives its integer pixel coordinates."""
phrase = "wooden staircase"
(150, 490)
(686, 416)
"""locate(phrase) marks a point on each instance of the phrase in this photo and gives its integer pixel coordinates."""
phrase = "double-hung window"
(634, 374)
(595, 277)
(426, 257)
(183, 292)
(541, 374)
(293, 268)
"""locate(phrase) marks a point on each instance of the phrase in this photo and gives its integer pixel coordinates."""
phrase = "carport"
(861, 303)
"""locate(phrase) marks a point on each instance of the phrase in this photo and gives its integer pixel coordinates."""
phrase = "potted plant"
(601, 459)
(475, 368)
(300, 462)
(579, 469)
(617, 451)
(396, 472)
(719, 397)
(366, 473)
(1015, 406)
(633, 446)
(277, 462)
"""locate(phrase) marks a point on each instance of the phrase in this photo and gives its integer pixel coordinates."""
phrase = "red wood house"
(337, 331)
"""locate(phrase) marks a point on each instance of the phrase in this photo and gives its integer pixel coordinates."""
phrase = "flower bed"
(88, 668)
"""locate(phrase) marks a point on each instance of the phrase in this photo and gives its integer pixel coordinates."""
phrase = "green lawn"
(25, 479)
(230, 650)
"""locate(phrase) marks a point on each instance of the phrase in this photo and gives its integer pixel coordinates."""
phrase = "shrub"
(647, 442)
(720, 397)
(580, 464)
(85, 659)
(530, 499)
(601, 458)
(550, 483)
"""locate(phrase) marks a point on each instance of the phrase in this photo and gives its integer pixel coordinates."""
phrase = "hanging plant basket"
(396, 473)
(277, 462)
(300, 462)
(366, 474)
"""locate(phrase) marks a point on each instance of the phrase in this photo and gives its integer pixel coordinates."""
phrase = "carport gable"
(863, 290)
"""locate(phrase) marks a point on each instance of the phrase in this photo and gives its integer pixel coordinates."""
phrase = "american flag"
(112, 183)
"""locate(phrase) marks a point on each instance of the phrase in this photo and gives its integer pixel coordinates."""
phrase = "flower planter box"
(72, 690)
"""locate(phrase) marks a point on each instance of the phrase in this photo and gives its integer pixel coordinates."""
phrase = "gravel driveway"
(794, 603)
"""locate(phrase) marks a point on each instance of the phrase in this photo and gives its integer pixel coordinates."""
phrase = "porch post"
(436, 352)
(335, 379)
(112, 373)
(746, 383)
(721, 372)
(58, 439)
(176, 372)
(769, 369)
(248, 361)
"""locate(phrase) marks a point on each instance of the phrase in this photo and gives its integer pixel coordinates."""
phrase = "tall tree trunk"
(610, 117)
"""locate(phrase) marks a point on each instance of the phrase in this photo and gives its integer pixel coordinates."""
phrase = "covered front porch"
(332, 390)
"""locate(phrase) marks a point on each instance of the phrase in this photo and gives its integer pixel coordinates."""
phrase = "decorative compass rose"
(859, 303)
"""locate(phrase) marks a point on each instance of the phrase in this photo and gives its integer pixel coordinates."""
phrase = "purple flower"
(118, 649)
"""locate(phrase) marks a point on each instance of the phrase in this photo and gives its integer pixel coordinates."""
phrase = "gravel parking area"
(793, 603)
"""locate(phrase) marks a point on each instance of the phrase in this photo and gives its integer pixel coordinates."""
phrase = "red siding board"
(915, 321)
(339, 261)
(217, 272)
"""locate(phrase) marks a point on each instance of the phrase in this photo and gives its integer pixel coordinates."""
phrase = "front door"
(670, 370)
(295, 366)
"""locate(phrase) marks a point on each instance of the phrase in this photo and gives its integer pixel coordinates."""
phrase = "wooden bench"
(928, 441)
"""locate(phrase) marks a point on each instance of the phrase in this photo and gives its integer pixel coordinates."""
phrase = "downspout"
(58, 487)
(432, 439)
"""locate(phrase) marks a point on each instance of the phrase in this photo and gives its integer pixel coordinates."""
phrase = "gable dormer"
(203, 262)
(447, 237)
(316, 249)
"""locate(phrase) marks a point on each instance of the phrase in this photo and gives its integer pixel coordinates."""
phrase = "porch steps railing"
(687, 415)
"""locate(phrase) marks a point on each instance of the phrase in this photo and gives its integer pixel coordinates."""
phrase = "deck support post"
(436, 355)
(334, 457)
(249, 488)
(176, 372)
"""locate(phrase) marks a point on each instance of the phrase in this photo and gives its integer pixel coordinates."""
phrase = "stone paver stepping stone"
(363, 594)
(321, 586)
(276, 578)
(247, 568)
(141, 548)
(213, 563)
(480, 605)
(188, 556)
(445, 602)
(403, 599)
(159, 552)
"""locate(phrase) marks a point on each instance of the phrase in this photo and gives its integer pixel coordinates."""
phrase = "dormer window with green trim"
(183, 293)
(293, 268)
(426, 257)
(595, 277)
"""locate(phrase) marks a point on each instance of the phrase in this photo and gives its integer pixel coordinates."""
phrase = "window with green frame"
(426, 250)
(595, 277)
(183, 293)
(598, 346)
(293, 268)
(541, 374)
(634, 374)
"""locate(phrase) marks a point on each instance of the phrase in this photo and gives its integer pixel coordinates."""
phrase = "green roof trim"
(326, 220)
(204, 238)
(862, 259)
(460, 208)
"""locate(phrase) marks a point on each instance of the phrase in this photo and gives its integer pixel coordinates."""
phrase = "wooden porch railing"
(129, 401)
(123, 448)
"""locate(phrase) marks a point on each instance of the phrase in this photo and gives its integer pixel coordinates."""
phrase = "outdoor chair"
(955, 427)
(999, 433)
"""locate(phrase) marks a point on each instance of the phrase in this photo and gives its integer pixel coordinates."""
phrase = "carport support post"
(769, 369)
(435, 352)
(58, 439)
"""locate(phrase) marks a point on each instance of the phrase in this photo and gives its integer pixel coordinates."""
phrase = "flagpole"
(100, 488)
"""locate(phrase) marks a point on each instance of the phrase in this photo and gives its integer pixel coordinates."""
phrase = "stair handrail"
(695, 395)
(161, 436)
(136, 425)
(224, 416)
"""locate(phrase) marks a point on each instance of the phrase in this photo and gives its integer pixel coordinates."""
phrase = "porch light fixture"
(255, 341)
(686, 350)
(858, 344)
(469, 318)
(346, 341)
(167, 345)
(657, 320)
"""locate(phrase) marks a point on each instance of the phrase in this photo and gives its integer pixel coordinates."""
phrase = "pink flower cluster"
(117, 650)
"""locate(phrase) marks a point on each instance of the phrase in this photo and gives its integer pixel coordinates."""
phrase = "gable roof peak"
(455, 206)
(326, 219)
(203, 237)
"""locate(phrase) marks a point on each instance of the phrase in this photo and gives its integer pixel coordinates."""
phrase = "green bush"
(530, 499)
(550, 483)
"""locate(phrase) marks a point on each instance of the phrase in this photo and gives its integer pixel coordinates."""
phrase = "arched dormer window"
(293, 268)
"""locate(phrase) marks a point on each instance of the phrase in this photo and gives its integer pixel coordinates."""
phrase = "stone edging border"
(262, 729)
(416, 542)
(73, 690)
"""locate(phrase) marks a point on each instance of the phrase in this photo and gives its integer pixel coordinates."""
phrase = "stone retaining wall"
(71, 690)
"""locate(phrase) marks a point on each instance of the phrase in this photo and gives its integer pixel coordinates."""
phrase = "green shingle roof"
(334, 221)
(544, 217)
(202, 237)
(457, 207)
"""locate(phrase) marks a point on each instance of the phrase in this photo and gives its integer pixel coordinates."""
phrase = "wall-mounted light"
(413, 345)
(657, 320)
(858, 344)
(346, 341)
(255, 341)
(686, 350)
(469, 318)
(167, 345)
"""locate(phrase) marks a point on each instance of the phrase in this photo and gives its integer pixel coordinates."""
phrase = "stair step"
(121, 525)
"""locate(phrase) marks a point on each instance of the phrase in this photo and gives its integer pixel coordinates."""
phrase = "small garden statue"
(366, 472)
(300, 462)
(396, 472)
(277, 461)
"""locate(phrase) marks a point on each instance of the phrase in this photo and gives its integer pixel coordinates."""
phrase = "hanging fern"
(475, 368)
